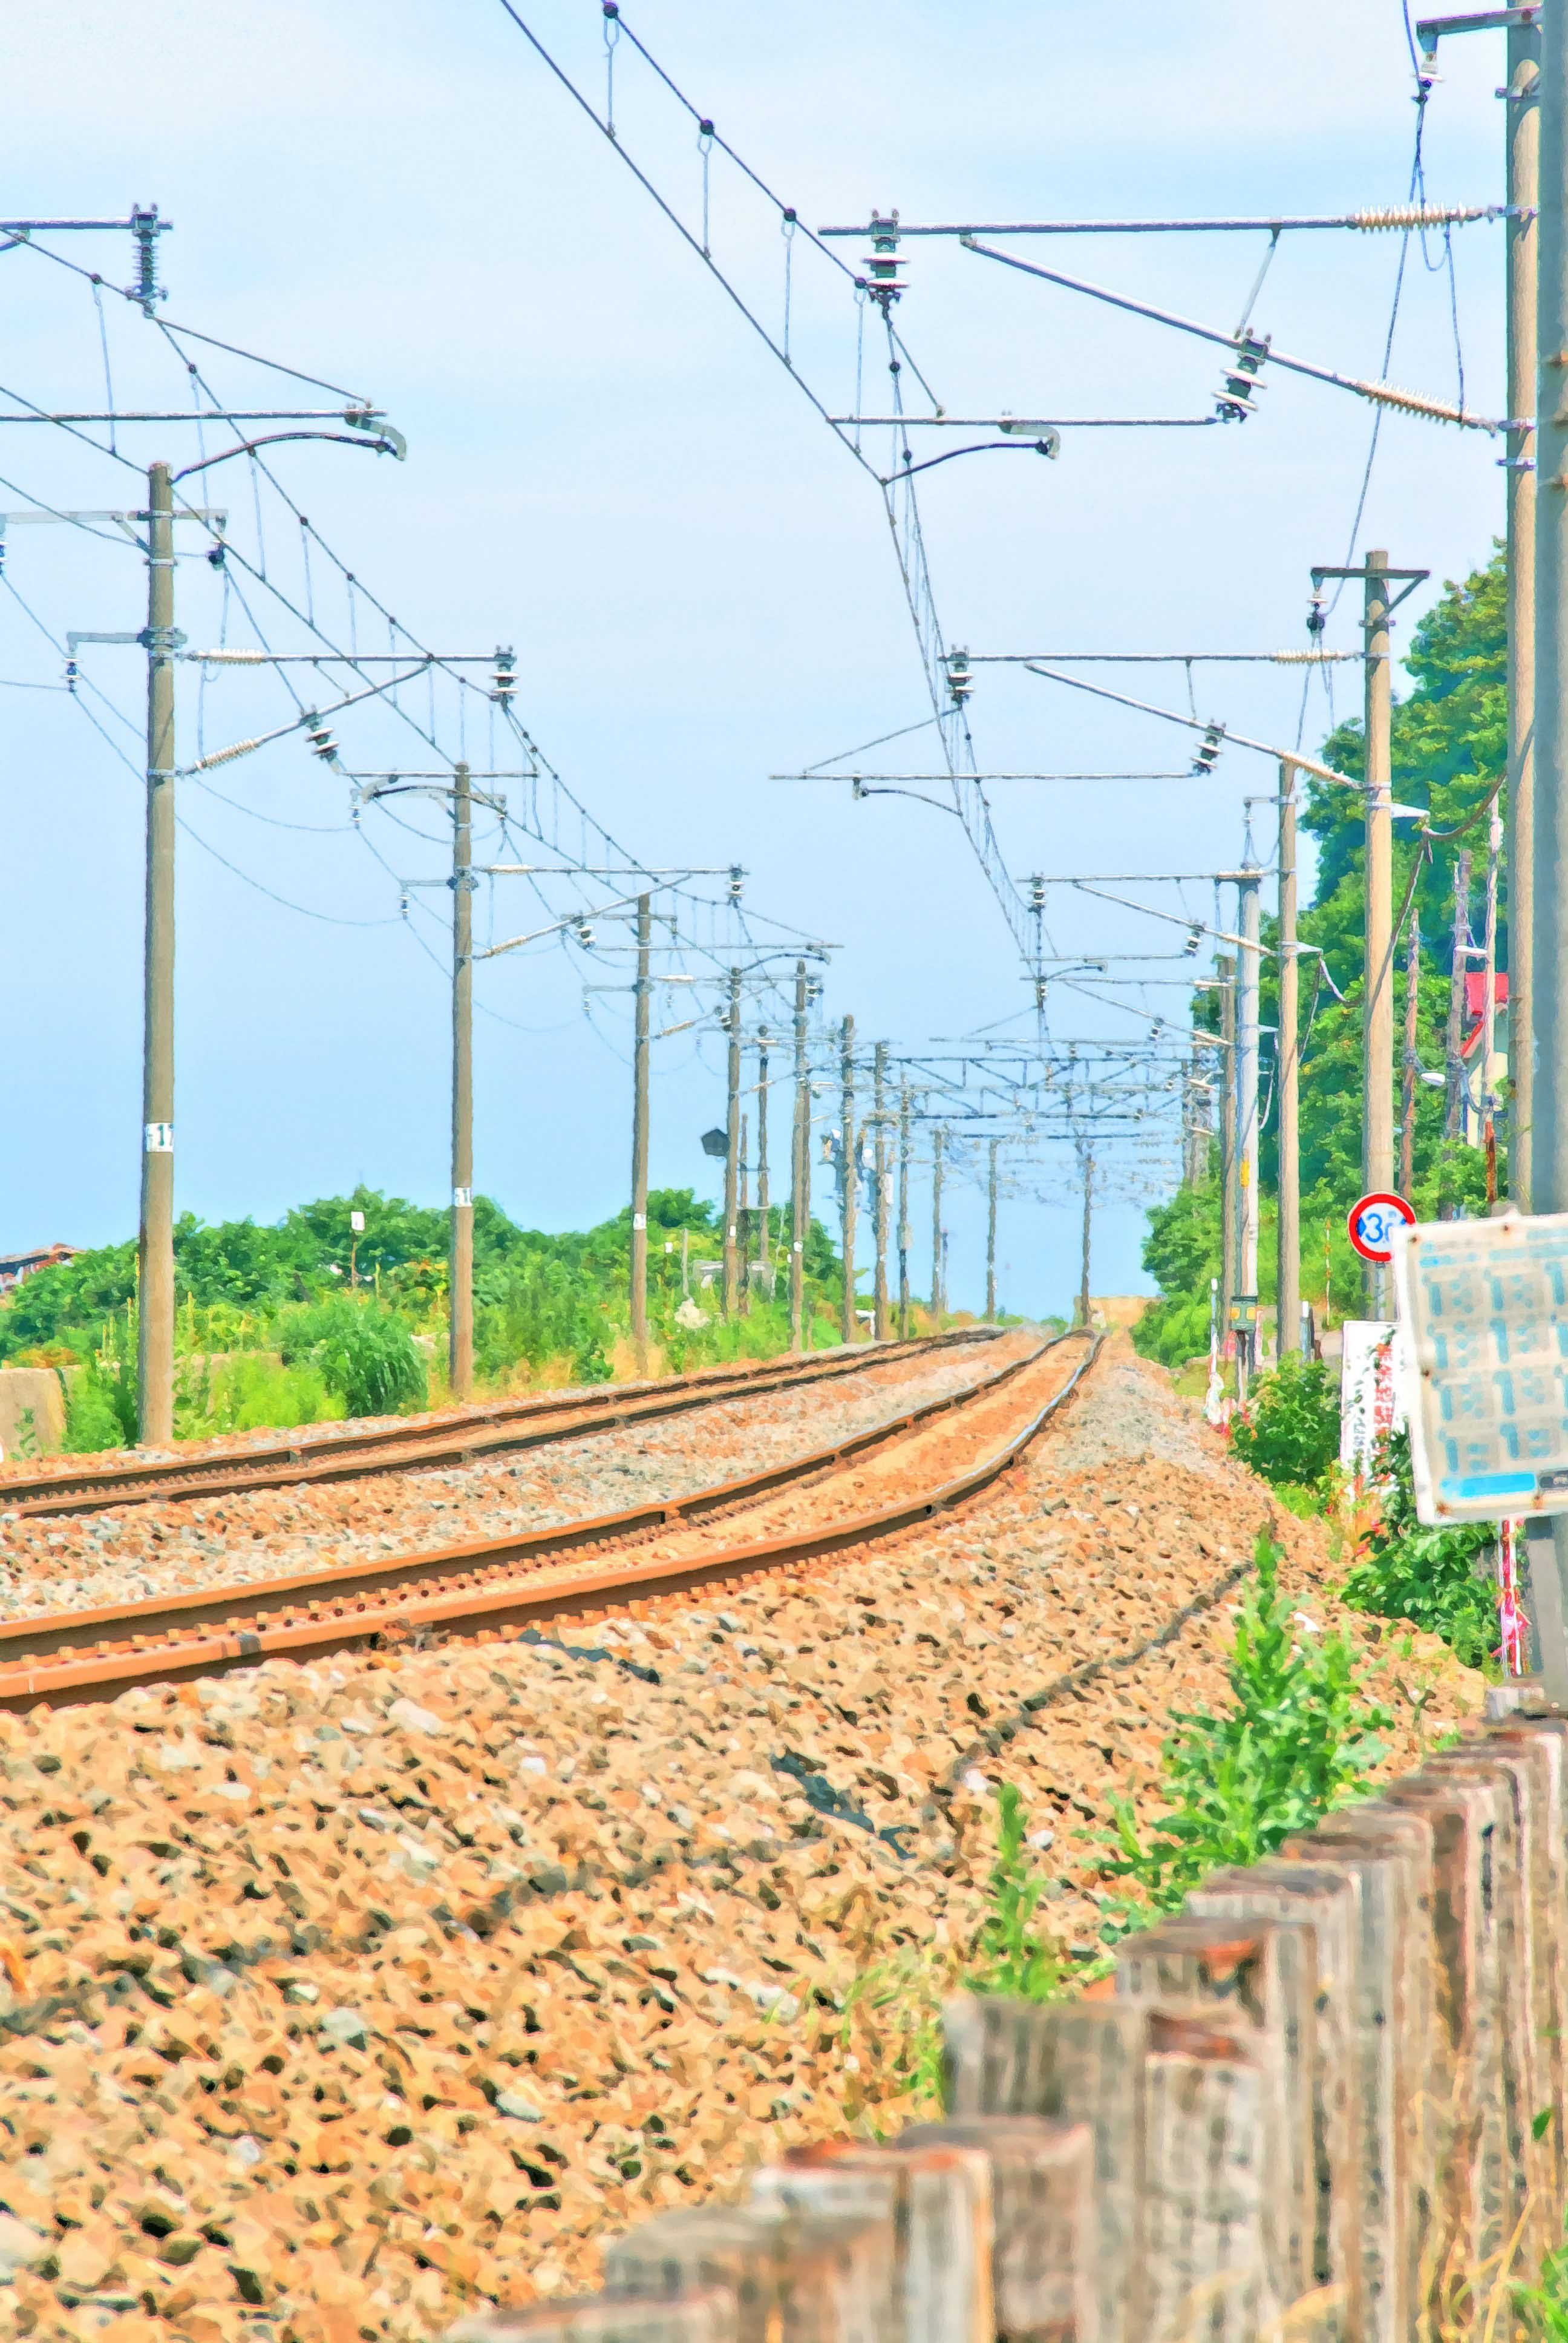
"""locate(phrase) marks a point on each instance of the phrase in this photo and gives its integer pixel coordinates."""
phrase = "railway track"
(69, 1656)
(465, 1436)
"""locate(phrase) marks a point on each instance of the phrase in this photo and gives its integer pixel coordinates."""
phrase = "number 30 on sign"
(1373, 1223)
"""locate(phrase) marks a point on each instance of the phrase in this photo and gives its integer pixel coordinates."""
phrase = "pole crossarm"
(1371, 219)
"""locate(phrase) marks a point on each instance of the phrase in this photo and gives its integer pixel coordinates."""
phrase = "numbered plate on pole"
(1373, 1223)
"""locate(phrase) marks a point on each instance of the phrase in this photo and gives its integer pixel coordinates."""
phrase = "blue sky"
(607, 469)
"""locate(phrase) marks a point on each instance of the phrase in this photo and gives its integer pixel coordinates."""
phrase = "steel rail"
(359, 1606)
(462, 1436)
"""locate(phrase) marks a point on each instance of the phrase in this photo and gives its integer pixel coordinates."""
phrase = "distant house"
(15, 1266)
(1494, 1079)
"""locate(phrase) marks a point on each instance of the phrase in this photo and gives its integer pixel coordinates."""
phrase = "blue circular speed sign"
(1373, 1223)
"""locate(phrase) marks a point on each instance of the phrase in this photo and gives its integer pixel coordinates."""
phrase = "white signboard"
(1486, 1370)
(1371, 1391)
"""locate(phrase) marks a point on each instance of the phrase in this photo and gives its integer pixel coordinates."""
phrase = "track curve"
(458, 1437)
(90, 1654)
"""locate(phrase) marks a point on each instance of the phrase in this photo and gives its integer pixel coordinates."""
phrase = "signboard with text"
(1485, 1371)
(1370, 1395)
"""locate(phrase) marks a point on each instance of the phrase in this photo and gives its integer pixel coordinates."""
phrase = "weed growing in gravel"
(1298, 1740)
(1437, 1579)
(1011, 1955)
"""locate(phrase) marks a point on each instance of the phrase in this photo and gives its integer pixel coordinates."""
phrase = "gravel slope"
(342, 1998)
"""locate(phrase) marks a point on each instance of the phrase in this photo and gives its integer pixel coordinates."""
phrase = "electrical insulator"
(319, 735)
(856, 786)
(1234, 401)
(1037, 892)
(1207, 755)
(504, 681)
(961, 682)
(1192, 944)
(584, 935)
(147, 228)
(882, 265)
(70, 675)
(1317, 617)
(737, 882)
(216, 555)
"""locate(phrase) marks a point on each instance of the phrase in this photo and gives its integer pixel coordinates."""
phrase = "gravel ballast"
(337, 2000)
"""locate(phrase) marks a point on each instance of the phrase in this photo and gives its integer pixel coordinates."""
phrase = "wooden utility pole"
(1228, 1221)
(1377, 1014)
(763, 1241)
(1407, 1091)
(1086, 1160)
(904, 1212)
(460, 1276)
(1288, 1235)
(882, 1322)
(731, 1155)
(848, 1327)
(156, 1240)
(937, 1136)
(1454, 1039)
(799, 1168)
(990, 1238)
(640, 991)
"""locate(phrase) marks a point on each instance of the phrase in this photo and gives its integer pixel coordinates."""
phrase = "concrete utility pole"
(848, 1328)
(1408, 1068)
(1549, 1161)
(990, 1239)
(1288, 1237)
(1088, 1162)
(1453, 1040)
(1523, 248)
(882, 1322)
(1247, 1052)
(938, 1137)
(156, 1240)
(799, 1168)
(460, 1280)
(1522, 130)
(763, 1243)
(640, 991)
(1487, 1097)
(1377, 1013)
(904, 1212)
(1229, 1218)
(743, 1220)
(731, 1155)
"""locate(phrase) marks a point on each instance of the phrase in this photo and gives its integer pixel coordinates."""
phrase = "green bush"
(1297, 1741)
(93, 1416)
(1290, 1431)
(248, 1394)
(364, 1355)
(1440, 1579)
